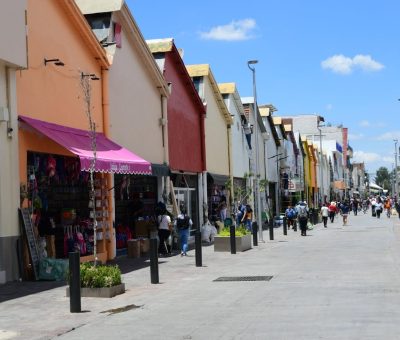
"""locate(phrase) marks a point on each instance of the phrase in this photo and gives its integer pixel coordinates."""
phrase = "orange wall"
(53, 93)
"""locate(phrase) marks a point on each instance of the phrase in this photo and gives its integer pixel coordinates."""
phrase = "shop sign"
(119, 168)
(295, 185)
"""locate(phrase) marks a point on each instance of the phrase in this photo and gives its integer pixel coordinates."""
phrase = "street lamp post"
(395, 167)
(257, 208)
(320, 165)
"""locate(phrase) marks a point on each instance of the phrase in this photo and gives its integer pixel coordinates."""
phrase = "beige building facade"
(12, 57)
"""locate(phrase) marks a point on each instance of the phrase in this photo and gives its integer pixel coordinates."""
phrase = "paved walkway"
(336, 283)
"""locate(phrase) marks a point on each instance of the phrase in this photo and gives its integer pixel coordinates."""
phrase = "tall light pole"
(395, 167)
(257, 208)
(321, 173)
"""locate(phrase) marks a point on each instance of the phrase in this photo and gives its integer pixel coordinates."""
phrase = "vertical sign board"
(32, 245)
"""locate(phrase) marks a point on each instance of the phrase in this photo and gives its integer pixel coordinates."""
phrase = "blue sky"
(336, 58)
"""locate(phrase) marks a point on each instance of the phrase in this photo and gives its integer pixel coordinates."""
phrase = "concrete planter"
(223, 243)
(105, 292)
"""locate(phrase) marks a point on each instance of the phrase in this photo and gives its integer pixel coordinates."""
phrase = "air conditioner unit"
(4, 114)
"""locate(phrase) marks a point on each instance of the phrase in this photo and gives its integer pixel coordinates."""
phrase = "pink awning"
(110, 157)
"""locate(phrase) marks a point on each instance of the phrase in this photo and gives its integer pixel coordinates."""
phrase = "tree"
(87, 96)
(382, 178)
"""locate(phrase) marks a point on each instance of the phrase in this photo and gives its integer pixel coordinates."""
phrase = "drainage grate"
(243, 278)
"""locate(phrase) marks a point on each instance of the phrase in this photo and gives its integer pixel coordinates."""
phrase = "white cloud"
(338, 64)
(366, 63)
(346, 65)
(388, 159)
(329, 107)
(361, 156)
(365, 123)
(389, 135)
(234, 31)
(355, 136)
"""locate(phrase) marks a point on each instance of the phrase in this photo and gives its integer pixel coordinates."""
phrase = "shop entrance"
(187, 197)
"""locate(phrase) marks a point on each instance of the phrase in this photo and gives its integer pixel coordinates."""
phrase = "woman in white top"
(164, 231)
(325, 214)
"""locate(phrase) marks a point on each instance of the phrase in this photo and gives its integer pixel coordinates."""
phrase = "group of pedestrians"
(298, 215)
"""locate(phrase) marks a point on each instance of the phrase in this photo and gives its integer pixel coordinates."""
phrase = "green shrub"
(240, 231)
(99, 276)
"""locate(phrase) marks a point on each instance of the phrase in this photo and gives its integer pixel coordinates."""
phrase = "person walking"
(378, 207)
(164, 231)
(332, 211)
(325, 214)
(355, 206)
(344, 211)
(290, 214)
(183, 224)
(302, 216)
(388, 207)
(397, 206)
(248, 217)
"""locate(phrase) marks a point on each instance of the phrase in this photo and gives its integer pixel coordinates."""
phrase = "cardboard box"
(142, 229)
(144, 245)
(133, 248)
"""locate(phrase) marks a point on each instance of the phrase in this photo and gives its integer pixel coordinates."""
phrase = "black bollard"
(154, 261)
(232, 230)
(255, 231)
(271, 229)
(74, 282)
(284, 225)
(198, 251)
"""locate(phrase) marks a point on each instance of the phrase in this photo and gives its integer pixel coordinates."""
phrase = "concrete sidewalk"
(336, 283)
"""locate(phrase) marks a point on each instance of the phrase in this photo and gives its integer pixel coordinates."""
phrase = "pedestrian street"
(341, 282)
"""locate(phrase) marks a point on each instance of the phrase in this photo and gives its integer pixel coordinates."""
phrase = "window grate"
(243, 278)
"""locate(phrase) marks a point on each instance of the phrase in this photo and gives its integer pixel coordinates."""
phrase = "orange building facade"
(51, 90)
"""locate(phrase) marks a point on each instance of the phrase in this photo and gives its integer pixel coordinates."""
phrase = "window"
(199, 85)
(100, 24)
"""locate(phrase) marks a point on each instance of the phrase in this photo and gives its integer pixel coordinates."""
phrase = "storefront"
(58, 162)
(135, 198)
(218, 196)
(186, 194)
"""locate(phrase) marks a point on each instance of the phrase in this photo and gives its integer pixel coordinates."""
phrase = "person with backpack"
(183, 223)
(290, 214)
(302, 216)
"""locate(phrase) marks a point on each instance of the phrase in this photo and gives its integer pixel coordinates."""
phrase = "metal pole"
(232, 231)
(278, 181)
(154, 261)
(74, 282)
(257, 208)
(254, 230)
(271, 229)
(285, 226)
(395, 167)
(320, 167)
(198, 251)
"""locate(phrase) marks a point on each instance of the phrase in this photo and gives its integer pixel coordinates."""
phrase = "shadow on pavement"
(16, 289)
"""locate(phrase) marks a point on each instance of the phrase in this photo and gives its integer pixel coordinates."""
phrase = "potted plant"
(242, 238)
(100, 281)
